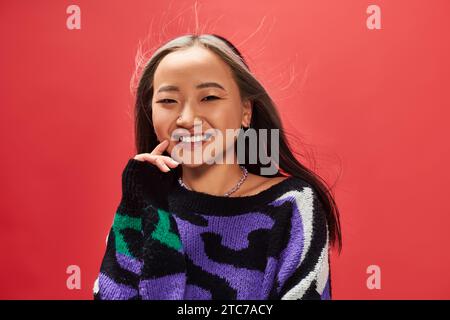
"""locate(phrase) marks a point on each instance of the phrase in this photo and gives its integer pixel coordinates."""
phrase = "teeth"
(196, 138)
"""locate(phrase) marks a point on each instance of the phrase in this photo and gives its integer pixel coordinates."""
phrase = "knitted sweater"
(170, 243)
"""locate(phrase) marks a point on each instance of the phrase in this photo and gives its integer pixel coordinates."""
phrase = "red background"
(371, 105)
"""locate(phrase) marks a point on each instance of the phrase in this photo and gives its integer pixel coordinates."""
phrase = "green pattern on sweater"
(122, 222)
(163, 234)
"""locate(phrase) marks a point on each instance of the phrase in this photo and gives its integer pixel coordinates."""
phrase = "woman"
(210, 229)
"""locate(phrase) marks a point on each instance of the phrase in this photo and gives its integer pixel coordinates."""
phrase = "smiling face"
(194, 86)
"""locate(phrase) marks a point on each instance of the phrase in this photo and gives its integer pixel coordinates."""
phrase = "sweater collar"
(188, 201)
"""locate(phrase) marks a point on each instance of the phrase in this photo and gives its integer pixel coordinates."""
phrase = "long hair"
(264, 116)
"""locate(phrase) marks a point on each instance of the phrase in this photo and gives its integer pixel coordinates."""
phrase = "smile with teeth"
(196, 138)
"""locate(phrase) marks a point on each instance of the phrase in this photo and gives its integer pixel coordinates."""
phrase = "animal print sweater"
(170, 243)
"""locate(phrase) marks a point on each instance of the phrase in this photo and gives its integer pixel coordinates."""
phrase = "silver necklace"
(227, 194)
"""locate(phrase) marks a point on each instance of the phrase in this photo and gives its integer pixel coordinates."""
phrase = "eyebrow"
(200, 86)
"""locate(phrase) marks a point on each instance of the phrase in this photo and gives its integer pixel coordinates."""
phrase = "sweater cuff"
(132, 183)
(143, 182)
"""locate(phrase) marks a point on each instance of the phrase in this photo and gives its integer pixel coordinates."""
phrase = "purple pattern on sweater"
(196, 293)
(292, 253)
(129, 263)
(163, 288)
(246, 282)
(269, 276)
(326, 291)
(114, 291)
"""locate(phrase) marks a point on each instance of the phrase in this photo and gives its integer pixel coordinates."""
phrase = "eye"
(165, 101)
(212, 97)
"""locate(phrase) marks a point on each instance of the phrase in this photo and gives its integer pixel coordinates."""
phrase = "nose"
(188, 119)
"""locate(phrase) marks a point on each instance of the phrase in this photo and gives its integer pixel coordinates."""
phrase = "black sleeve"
(121, 266)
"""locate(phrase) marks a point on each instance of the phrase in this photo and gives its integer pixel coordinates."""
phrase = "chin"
(195, 165)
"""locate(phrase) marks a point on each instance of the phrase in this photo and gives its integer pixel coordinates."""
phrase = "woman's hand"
(156, 158)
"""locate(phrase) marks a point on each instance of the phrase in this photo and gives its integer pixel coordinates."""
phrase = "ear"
(247, 108)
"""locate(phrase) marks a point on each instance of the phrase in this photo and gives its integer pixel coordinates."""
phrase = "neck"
(215, 179)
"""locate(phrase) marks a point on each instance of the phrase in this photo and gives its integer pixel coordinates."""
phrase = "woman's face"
(194, 87)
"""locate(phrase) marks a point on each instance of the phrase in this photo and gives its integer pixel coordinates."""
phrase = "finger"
(139, 157)
(163, 160)
(161, 165)
(160, 148)
(145, 157)
(169, 161)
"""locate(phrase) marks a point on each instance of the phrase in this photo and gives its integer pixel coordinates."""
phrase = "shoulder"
(296, 190)
(284, 188)
(306, 208)
(300, 197)
(277, 190)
